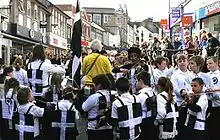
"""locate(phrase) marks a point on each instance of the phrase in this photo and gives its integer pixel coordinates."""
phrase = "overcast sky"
(137, 9)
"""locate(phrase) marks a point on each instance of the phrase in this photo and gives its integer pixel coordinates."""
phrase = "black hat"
(134, 50)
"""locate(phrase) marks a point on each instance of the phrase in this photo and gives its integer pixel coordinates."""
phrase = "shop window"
(28, 23)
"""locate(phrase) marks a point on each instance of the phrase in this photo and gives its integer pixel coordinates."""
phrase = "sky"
(137, 9)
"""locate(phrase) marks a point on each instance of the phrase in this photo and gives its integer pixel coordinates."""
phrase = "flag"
(76, 48)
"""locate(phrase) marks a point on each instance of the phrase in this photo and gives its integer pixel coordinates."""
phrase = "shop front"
(57, 44)
(16, 39)
(210, 18)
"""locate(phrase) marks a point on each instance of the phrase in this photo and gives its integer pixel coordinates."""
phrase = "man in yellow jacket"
(95, 63)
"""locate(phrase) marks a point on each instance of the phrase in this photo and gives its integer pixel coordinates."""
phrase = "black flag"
(76, 48)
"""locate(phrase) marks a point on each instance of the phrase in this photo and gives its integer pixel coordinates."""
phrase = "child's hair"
(103, 80)
(7, 70)
(181, 57)
(56, 81)
(122, 84)
(111, 79)
(159, 60)
(214, 58)
(198, 80)
(167, 86)
(11, 83)
(18, 63)
(198, 60)
(67, 93)
(23, 94)
(145, 76)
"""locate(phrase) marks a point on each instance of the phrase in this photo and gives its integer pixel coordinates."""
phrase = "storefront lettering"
(213, 7)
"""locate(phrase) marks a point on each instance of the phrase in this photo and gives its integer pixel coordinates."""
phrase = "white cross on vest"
(63, 125)
(22, 128)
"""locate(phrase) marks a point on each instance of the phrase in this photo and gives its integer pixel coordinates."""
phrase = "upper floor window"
(35, 12)
(105, 19)
(97, 18)
(21, 6)
(29, 8)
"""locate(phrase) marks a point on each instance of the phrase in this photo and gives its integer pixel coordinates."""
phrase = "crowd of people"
(127, 96)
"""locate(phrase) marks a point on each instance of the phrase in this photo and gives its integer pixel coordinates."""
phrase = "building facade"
(130, 34)
(23, 25)
(86, 23)
(57, 33)
(113, 20)
(209, 18)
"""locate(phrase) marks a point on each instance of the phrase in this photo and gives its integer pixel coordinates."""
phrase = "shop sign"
(213, 8)
(164, 23)
(84, 43)
(31, 33)
(58, 41)
(187, 21)
(175, 12)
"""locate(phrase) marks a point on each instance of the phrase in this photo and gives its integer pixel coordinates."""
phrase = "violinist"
(129, 70)
(196, 112)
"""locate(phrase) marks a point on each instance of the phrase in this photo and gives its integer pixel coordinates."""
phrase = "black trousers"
(106, 134)
(181, 123)
(195, 135)
(213, 124)
(148, 130)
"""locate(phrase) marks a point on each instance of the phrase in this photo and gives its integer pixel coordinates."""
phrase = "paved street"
(81, 124)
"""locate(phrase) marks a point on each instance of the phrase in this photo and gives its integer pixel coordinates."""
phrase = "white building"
(144, 34)
(130, 34)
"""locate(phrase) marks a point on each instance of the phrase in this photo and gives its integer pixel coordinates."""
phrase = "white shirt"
(181, 80)
(203, 103)
(65, 106)
(215, 97)
(205, 77)
(156, 75)
(21, 76)
(91, 105)
(47, 68)
(35, 110)
(143, 97)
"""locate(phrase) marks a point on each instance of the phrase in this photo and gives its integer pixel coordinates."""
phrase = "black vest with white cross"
(61, 124)
(150, 104)
(35, 79)
(168, 124)
(129, 119)
(7, 108)
(103, 111)
(26, 126)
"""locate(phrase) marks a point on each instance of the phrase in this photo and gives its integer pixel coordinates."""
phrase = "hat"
(134, 50)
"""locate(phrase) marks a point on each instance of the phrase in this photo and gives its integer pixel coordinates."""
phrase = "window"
(97, 18)
(21, 6)
(29, 8)
(35, 12)
(20, 19)
(36, 26)
(105, 19)
(28, 23)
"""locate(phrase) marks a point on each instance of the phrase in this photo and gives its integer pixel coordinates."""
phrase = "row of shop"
(16, 39)
(205, 18)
